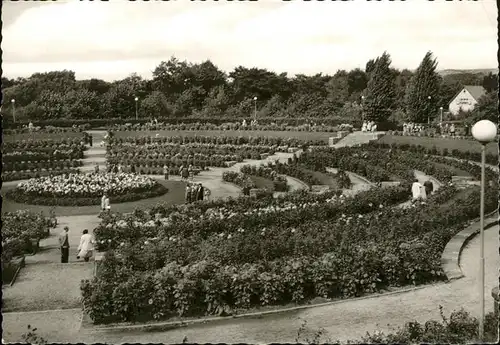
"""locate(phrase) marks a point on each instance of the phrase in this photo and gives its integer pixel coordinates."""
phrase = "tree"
(490, 82)
(370, 66)
(338, 89)
(380, 95)
(421, 99)
(206, 75)
(155, 105)
(171, 77)
(357, 81)
(486, 108)
(216, 102)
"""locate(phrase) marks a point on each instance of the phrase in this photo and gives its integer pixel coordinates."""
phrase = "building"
(466, 99)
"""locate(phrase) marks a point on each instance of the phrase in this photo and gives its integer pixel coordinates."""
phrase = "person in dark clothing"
(64, 245)
(429, 187)
(90, 140)
(201, 192)
(132, 170)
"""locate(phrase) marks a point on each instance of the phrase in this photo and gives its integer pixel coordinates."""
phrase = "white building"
(466, 99)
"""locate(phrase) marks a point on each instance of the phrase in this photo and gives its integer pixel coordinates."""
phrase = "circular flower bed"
(85, 189)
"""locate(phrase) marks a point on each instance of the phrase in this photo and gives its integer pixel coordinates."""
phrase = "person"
(86, 247)
(188, 193)
(363, 128)
(105, 205)
(193, 193)
(206, 193)
(132, 169)
(96, 168)
(191, 171)
(64, 245)
(120, 168)
(185, 173)
(416, 190)
(244, 124)
(429, 187)
(165, 171)
(452, 130)
(115, 169)
(201, 192)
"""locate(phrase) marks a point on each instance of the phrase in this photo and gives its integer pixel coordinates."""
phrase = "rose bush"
(19, 230)
(85, 189)
(28, 174)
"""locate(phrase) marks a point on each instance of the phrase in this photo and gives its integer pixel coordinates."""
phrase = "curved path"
(53, 285)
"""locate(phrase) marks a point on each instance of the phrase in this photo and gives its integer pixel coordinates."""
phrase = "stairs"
(358, 138)
(95, 153)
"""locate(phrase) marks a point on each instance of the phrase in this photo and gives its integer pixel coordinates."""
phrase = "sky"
(114, 39)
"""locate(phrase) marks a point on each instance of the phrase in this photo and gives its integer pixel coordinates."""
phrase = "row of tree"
(182, 89)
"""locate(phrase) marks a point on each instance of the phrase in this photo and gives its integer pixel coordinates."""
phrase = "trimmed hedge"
(21, 197)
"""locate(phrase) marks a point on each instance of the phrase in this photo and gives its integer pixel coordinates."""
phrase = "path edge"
(450, 258)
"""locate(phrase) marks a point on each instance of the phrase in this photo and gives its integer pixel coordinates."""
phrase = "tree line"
(180, 89)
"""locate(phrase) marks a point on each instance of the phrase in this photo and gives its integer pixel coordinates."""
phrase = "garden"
(21, 235)
(85, 189)
(225, 257)
(41, 157)
(148, 155)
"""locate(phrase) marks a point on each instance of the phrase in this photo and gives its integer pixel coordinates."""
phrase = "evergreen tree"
(380, 98)
(424, 83)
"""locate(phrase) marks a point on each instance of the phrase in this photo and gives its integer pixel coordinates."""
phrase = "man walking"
(64, 245)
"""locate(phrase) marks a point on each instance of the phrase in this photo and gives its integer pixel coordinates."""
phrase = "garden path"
(45, 283)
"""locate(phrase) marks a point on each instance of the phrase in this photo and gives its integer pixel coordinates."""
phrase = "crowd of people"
(196, 192)
(369, 126)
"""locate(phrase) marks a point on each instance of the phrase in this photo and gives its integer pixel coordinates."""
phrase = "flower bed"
(456, 153)
(41, 165)
(24, 175)
(237, 126)
(193, 272)
(85, 189)
(20, 231)
(375, 163)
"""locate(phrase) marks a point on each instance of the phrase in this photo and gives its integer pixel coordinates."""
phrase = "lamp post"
(13, 101)
(483, 131)
(362, 110)
(441, 113)
(255, 108)
(428, 116)
(136, 112)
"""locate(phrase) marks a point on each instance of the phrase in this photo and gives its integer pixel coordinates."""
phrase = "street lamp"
(13, 101)
(255, 108)
(441, 112)
(136, 112)
(428, 116)
(362, 110)
(483, 131)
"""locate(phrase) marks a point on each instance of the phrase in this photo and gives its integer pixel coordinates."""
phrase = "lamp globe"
(484, 131)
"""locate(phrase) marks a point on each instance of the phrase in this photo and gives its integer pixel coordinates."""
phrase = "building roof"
(477, 91)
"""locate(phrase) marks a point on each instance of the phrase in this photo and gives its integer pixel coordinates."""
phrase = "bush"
(21, 197)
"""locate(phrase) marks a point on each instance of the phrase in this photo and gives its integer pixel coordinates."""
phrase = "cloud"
(111, 40)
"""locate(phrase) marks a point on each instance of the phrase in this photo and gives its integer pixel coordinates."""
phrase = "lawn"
(262, 182)
(175, 195)
(41, 136)
(325, 178)
(456, 171)
(323, 136)
(440, 143)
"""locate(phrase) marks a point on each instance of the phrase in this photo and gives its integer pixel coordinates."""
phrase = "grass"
(41, 136)
(463, 145)
(323, 136)
(175, 195)
(456, 171)
(262, 182)
(325, 178)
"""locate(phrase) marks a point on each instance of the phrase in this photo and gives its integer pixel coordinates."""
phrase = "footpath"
(46, 294)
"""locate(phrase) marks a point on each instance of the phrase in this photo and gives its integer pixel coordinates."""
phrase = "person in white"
(423, 192)
(416, 190)
(363, 128)
(86, 247)
(105, 205)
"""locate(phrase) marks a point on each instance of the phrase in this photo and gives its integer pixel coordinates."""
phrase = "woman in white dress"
(86, 247)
